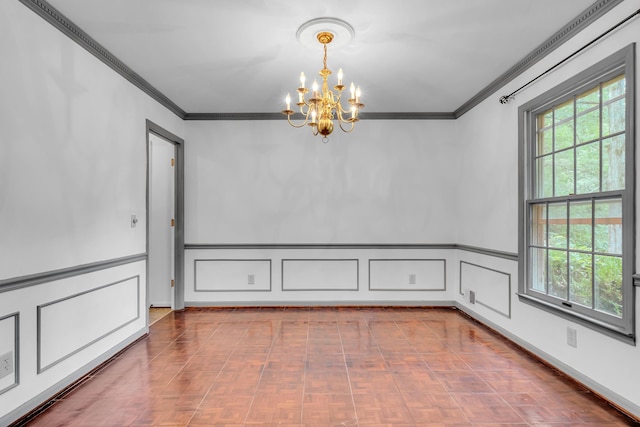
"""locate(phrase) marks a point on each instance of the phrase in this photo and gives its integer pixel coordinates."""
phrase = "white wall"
(72, 171)
(487, 149)
(265, 182)
(73, 159)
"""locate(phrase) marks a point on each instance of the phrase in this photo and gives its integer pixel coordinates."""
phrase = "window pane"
(613, 163)
(564, 173)
(539, 225)
(613, 89)
(539, 270)
(608, 226)
(613, 117)
(545, 141)
(558, 225)
(563, 111)
(613, 106)
(558, 274)
(608, 284)
(588, 168)
(546, 119)
(588, 116)
(545, 133)
(588, 101)
(564, 135)
(544, 173)
(581, 269)
(563, 122)
(580, 225)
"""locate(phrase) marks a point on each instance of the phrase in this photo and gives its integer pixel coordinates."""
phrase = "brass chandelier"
(323, 107)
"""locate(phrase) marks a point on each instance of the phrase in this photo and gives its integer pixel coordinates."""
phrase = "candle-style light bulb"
(315, 86)
(353, 111)
(340, 77)
(358, 93)
(313, 116)
(352, 88)
(302, 80)
(288, 101)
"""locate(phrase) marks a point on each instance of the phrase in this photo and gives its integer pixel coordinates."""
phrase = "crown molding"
(62, 23)
(407, 116)
(235, 116)
(58, 20)
(582, 21)
(280, 116)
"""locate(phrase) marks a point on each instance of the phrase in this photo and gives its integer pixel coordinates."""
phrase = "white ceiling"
(242, 56)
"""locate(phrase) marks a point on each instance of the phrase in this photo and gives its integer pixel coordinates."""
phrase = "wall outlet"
(572, 337)
(472, 297)
(412, 279)
(251, 280)
(6, 364)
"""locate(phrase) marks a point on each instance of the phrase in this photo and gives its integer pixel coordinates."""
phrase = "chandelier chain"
(325, 56)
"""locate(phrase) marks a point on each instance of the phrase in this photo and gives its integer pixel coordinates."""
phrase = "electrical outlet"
(6, 364)
(251, 279)
(412, 279)
(472, 297)
(572, 337)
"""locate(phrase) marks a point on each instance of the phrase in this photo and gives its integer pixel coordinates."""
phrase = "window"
(577, 197)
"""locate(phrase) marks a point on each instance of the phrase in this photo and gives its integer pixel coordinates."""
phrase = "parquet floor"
(325, 367)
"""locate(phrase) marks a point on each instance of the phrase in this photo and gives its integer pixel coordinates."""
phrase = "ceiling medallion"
(323, 107)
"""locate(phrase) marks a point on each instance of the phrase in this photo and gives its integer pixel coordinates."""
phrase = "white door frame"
(178, 289)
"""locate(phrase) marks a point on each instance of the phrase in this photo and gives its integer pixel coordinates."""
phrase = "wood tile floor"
(325, 367)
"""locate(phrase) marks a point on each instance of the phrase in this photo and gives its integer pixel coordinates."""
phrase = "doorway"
(165, 241)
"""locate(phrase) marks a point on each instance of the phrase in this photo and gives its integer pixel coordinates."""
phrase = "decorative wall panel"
(9, 349)
(320, 275)
(215, 275)
(68, 325)
(491, 288)
(407, 274)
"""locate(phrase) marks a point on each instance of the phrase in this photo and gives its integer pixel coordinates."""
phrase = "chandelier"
(323, 107)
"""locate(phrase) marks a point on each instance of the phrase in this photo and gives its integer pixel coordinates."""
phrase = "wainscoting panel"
(407, 275)
(68, 325)
(320, 275)
(9, 347)
(491, 288)
(61, 324)
(216, 275)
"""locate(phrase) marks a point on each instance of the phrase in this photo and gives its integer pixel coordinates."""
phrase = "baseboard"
(43, 399)
(621, 403)
(360, 303)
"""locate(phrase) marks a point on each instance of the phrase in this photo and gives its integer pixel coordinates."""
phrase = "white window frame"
(621, 62)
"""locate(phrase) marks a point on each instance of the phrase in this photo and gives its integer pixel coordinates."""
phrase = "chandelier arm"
(306, 119)
(302, 110)
(340, 109)
(353, 125)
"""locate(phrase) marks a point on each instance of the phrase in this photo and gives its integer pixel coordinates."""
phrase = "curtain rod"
(507, 98)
